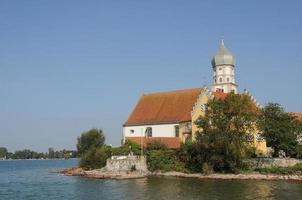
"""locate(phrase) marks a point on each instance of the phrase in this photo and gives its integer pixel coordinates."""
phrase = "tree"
(3, 152)
(93, 153)
(225, 132)
(95, 158)
(279, 129)
(92, 138)
(51, 153)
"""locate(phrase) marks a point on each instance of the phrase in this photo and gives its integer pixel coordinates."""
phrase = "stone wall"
(274, 162)
(125, 163)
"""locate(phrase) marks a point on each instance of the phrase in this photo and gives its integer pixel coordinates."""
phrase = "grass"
(294, 170)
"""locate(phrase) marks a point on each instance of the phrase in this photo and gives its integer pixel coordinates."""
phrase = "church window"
(188, 127)
(176, 130)
(149, 132)
(220, 80)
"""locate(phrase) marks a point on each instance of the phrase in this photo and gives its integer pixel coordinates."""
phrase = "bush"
(221, 157)
(93, 138)
(155, 144)
(207, 169)
(95, 158)
(164, 160)
(294, 170)
(126, 148)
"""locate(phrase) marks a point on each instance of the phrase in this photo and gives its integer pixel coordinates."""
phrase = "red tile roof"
(164, 107)
(220, 95)
(298, 115)
(169, 142)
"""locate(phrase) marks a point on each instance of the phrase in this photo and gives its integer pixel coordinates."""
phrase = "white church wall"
(162, 130)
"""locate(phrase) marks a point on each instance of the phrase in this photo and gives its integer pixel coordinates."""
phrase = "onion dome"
(223, 56)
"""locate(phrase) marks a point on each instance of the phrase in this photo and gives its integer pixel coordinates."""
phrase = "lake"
(38, 179)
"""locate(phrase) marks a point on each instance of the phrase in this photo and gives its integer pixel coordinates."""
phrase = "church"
(169, 116)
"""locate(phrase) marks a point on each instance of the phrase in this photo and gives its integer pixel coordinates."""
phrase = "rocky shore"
(102, 174)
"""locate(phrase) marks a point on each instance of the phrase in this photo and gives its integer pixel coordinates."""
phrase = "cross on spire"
(222, 40)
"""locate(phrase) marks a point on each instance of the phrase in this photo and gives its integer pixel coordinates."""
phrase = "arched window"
(228, 79)
(220, 80)
(149, 131)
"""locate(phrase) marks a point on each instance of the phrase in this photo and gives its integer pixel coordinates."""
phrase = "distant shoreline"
(100, 174)
(39, 159)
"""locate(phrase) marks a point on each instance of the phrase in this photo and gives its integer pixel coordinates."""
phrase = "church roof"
(219, 95)
(298, 115)
(164, 107)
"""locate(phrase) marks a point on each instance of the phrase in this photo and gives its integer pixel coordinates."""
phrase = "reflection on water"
(37, 180)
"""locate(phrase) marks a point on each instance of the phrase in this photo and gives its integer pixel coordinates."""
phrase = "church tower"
(223, 64)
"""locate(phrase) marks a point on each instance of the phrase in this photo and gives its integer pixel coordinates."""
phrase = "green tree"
(279, 129)
(93, 153)
(93, 138)
(95, 158)
(3, 152)
(225, 136)
(51, 153)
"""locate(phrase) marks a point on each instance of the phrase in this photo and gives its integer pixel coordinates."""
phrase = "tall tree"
(225, 131)
(279, 129)
(93, 138)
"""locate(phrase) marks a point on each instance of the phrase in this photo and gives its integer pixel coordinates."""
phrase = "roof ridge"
(172, 91)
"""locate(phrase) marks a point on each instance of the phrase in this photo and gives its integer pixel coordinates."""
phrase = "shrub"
(207, 169)
(296, 169)
(164, 160)
(92, 138)
(126, 148)
(95, 158)
(156, 144)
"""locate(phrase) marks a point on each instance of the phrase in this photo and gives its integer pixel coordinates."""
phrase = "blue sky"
(68, 66)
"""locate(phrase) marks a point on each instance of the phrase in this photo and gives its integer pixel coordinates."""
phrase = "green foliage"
(156, 145)
(3, 152)
(223, 142)
(93, 153)
(95, 158)
(52, 154)
(207, 169)
(294, 170)
(164, 160)
(93, 138)
(126, 148)
(280, 130)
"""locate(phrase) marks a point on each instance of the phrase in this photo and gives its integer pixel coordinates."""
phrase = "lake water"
(37, 179)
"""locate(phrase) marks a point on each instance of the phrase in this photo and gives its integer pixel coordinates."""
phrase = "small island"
(222, 149)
